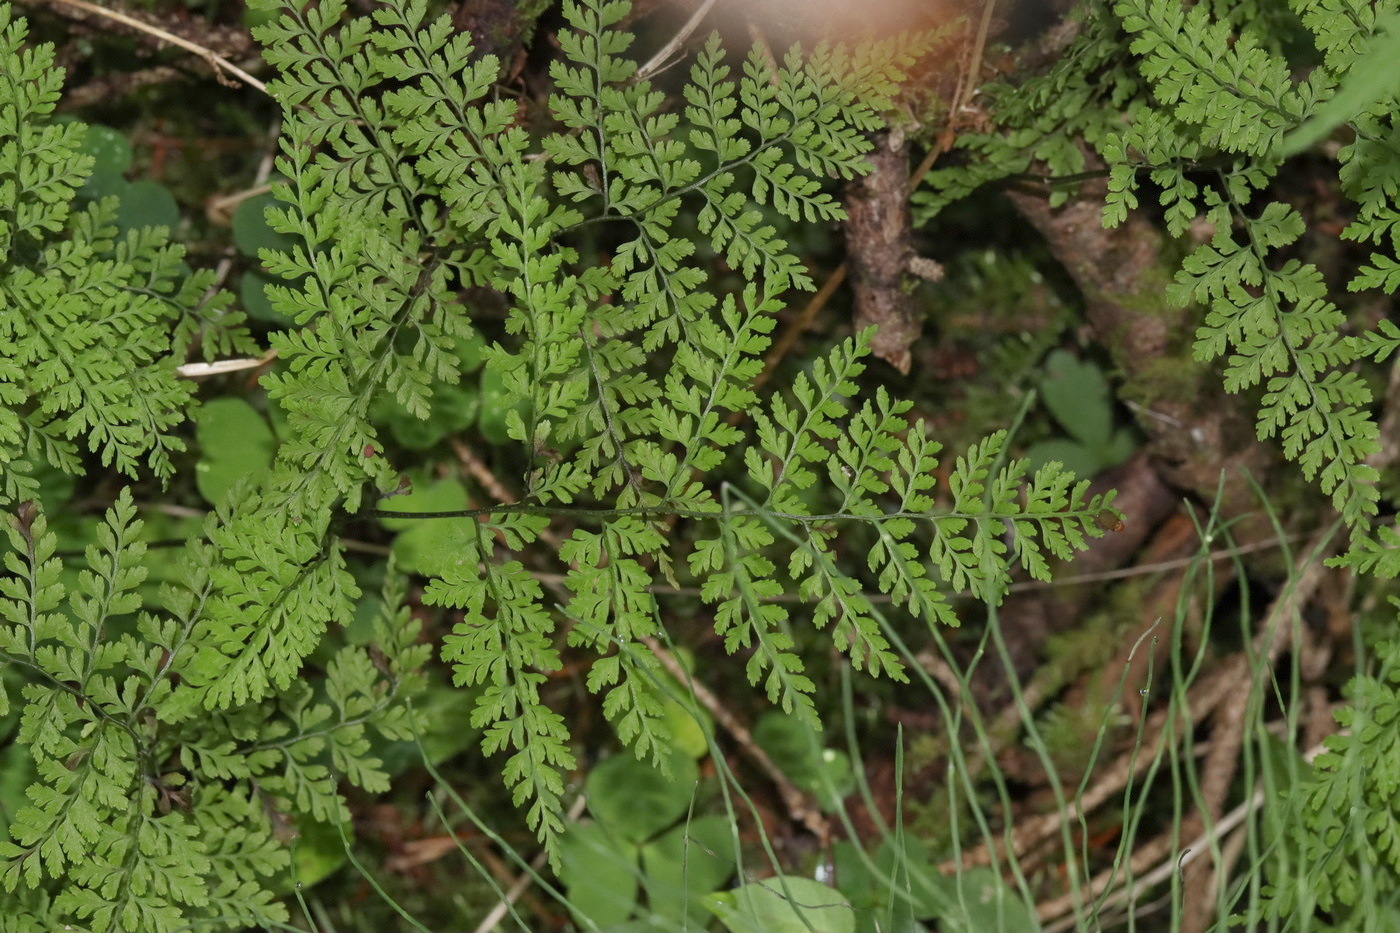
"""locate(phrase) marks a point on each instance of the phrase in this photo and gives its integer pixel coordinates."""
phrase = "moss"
(527, 15)
(1177, 378)
(1150, 295)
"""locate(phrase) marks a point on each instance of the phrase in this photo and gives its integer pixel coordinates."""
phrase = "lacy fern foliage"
(92, 324)
(406, 184)
(1226, 98)
(145, 814)
(1210, 109)
(173, 732)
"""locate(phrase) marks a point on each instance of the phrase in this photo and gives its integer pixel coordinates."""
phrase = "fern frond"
(143, 814)
(274, 596)
(1347, 824)
(404, 185)
(1284, 334)
(93, 325)
(1238, 93)
(502, 644)
(612, 603)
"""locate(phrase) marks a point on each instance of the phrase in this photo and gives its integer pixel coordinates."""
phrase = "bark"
(879, 248)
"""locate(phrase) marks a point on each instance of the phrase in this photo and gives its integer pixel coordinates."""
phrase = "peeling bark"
(879, 249)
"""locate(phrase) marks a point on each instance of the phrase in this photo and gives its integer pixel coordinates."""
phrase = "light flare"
(839, 20)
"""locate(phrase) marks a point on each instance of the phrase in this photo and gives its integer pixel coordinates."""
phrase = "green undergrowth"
(500, 463)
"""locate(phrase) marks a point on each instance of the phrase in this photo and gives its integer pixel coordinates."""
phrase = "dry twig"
(799, 805)
(221, 65)
(660, 60)
(222, 367)
(1223, 760)
(522, 882)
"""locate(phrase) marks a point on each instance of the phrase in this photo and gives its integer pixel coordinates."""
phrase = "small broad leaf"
(251, 231)
(146, 203)
(686, 862)
(797, 749)
(497, 403)
(16, 774)
(1119, 448)
(235, 442)
(1072, 455)
(1076, 393)
(637, 801)
(444, 495)
(471, 352)
(111, 156)
(600, 875)
(979, 900)
(687, 734)
(783, 904)
(252, 292)
(453, 409)
(109, 148)
(430, 545)
(319, 851)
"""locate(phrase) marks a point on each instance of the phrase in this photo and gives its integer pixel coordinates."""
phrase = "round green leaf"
(1119, 448)
(1076, 393)
(234, 442)
(686, 721)
(858, 883)
(1072, 455)
(111, 156)
(109, 148)
(251, 231)
(686, 862)
(101, 185)
(252, 291)
(835, 779)
(55, 487)
(430, 545)
(451, 409)
(496, 406)
(796, 748)
(319, 852)
(254, 19)
(599, 874)
(146, 204)
(687, 734)
(637, 801)
(791, 742)
(443, 733)
(16, 774)
(434, 545)
(972, 902)
(444, 495)
(471, 351)
(783, 904)
(927, 896)
(991, 904)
